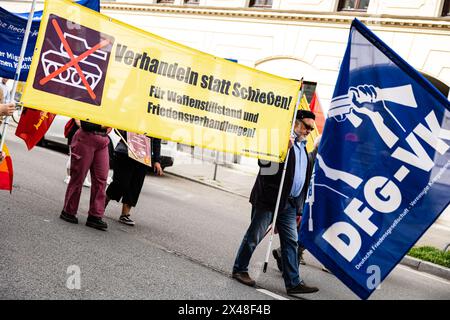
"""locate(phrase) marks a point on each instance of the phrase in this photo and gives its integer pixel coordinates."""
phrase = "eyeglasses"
(307, 126)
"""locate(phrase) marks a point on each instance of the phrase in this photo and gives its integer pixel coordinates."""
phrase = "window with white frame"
(309, 88)
(261, 3)
(353, 5)
(191, 1)
(446, 10)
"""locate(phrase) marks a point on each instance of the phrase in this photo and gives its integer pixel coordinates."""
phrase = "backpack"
(69, 127)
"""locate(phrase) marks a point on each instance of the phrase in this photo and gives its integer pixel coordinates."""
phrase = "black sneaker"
(96, 223)
(301, 288)
(68, 217)
(126, 220)
(277, 255)
(326, 270)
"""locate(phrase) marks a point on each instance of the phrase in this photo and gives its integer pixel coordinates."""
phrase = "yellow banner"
(92, 67)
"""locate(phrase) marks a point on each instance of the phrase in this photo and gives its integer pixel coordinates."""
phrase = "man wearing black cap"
(263, 199)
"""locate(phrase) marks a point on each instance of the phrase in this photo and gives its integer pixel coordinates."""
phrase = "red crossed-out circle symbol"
(73, 60)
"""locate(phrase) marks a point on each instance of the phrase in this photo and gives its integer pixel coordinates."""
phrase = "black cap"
(302, 114)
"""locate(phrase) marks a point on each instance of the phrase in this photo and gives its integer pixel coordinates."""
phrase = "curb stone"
(425, 266)
(206, 184)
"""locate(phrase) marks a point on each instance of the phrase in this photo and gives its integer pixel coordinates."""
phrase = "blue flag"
(12, 31)
(381, 176)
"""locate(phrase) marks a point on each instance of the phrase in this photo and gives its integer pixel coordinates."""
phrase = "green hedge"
(432, 255)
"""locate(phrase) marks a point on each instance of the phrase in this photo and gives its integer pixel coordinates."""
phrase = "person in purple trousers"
(89, 152)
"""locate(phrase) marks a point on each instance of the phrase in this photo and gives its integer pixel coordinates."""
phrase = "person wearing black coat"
(263, 199)
(129, 176)
(311, 158)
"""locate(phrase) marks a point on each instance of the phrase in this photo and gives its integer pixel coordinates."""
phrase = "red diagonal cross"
(73, 61)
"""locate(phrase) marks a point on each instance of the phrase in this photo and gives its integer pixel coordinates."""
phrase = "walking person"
(301, 248)
(89, 152)
(70, 133)
(263, 199)
(129, 176)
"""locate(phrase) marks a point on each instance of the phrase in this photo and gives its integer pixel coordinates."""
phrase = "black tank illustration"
(53, 60)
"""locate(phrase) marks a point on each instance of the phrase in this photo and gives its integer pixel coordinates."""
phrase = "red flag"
(6, 171)
(317, 109)
(33, 125)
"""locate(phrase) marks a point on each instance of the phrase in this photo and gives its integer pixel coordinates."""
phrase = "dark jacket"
(265, 191)
(156, 147)
(88, 126)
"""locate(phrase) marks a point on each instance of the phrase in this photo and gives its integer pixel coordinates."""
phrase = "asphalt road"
(182, 247)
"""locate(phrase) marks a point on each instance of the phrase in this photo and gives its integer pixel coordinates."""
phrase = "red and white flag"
(317, 109)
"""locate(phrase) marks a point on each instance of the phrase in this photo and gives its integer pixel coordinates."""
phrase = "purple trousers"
(89, 152)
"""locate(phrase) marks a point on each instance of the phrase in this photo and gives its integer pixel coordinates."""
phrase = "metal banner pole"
(19, 68)
(275, 214)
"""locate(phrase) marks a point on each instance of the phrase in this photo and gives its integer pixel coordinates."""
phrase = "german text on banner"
(12, 30)
(95, 68)
(382, 171)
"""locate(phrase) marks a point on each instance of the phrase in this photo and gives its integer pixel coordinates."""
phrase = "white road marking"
(273, 295)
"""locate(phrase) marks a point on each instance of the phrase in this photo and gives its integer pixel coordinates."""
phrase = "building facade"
(299, 38)
(294, 38)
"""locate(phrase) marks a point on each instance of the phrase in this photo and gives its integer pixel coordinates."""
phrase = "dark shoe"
(244, 278)
(68, 217)
(126, 220)
(326, 270)
(277, 255)
(301, 261)
(301, 288)
(96, 223)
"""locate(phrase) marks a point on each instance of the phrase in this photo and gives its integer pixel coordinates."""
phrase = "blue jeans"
(287, 229)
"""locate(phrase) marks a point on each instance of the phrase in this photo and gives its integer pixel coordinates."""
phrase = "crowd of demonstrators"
(129, 175)
(89, 151)
(311, 158)
(89, 143)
